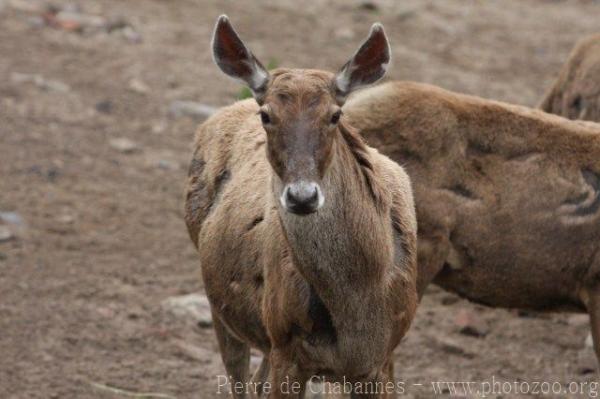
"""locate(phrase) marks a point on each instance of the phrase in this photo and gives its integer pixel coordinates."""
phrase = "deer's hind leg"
(236, 357)
(593, 306)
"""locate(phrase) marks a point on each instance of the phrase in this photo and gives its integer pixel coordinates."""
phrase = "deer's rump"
(508, 198)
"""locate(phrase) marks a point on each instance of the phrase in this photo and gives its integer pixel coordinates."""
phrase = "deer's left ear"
(367, 66)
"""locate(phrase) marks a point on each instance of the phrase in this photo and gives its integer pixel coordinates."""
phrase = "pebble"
(65, 219)
(5, 234)
(26, 5)
(11, 218)
(131, 35)
(75, 21)
(166, 164)
(138, 86)
(40, 81)
(191, 108)
(453, 347)
(589, 341)
(195, 352)
(345, 33)
(104, 106)
(123, 145)
(450, 299)
(368, 6)
(36, 22)
(578, 320)
(159, 127)
(470, 324)
(192, 307)
(586, 361)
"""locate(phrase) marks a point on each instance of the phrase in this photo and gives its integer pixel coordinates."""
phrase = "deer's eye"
(335, 118)
(264, 117)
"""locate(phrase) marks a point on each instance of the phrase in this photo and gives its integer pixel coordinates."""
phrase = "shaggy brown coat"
(329, 293)
(508, 198)
(576, 92)
(248, 267)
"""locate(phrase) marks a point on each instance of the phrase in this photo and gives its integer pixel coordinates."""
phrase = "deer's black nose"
(302, 198)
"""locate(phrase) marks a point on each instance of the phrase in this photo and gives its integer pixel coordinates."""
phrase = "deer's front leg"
(378, 386)
(285, 378)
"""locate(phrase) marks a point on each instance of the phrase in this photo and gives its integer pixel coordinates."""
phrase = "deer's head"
(300, 109)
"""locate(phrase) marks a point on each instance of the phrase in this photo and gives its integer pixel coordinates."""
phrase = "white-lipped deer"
(306, 236)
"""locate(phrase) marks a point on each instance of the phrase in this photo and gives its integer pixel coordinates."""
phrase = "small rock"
(72, 7)
(589, 341)
(65, 219)
(190, 108)
(136, 85)
(11, 218)
(578, 320)
(453, 347)
(123, 145)
(345, 33)
(115, 24)
(36, 22)
(450, 299)
(470, 324)
(40, 81)
(194, 307)
(26, 5)
(317, 390)
(527, 314)
(368, 6)
(104, 106)
(5, 234)
(194, 352)
(77, 22)
(166, 164)
(255, 361)
(159, 127)
(131, 35)
(106, 312)
(55, 85)
(406, 14)
(586, 362)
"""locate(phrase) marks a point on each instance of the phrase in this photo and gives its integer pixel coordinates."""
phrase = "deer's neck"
(344, 249)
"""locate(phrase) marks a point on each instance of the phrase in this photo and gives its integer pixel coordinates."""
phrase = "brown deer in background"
(576, 92)
(306, 236)
(507, 197)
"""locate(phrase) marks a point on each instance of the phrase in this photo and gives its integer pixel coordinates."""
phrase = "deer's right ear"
(235, 60)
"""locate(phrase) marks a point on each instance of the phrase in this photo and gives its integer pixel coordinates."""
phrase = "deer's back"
(576, 92)
(508, 198)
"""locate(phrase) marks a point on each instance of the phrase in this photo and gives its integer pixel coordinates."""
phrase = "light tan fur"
(508, 198)
(274, 279)
(576, 92)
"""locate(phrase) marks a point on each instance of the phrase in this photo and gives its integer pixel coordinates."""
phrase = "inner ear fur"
(367, 65)
(233, 58)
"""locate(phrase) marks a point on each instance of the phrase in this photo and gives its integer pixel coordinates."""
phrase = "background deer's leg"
(593, 305)
(235, 355)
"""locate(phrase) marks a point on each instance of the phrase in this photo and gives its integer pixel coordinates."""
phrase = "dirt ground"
(98, 240)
